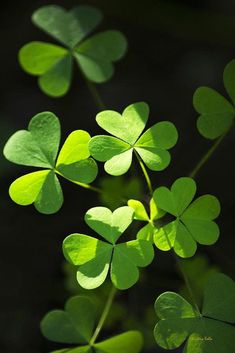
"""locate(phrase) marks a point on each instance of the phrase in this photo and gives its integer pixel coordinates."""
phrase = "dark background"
(174, 47)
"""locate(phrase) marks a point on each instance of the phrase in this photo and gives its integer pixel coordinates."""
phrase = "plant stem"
(89, 187)
(184, 277)
(104, 315)
(83, 185)
(147, 178)
(207, 155)
(95, 95)
(187, 283)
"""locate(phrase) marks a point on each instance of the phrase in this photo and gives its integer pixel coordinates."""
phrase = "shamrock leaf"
(53, 64)
(216, 112)
(147, 232)
(205, 332)
(96, 258)
(76, 324)
(38, 147)
(117, 151)
(193, 221)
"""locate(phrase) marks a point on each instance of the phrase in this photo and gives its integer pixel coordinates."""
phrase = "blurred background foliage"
(174, 47)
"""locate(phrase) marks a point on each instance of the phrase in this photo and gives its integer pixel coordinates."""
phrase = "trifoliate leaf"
(68, 27)
(117, 151)
(76, 325)
(95, 257)
(38, 147)
(53, 64)
(96, 55)
(194, 221)
(73, 325)
(205, 332)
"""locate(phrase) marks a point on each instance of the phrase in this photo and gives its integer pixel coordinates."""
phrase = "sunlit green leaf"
(126, 128)
(36, 58)
(38, 147)
(140, 211)
(94, 257)
(194, 221)
(204, 332)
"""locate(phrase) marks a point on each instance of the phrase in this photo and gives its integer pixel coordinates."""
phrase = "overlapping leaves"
(38, 147)
(75, 325)
(216, 112)
(146, 232)
(205, 332)
(152, 147)
(53, 64)
(193, 221)
(95, 258)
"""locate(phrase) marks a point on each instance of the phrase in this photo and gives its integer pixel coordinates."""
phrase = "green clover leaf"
(146, 232)
(38, 147)
(193, 221)
(205, 332)
(53, 64)
(96, 258)
(216, 112)
(76, 324)
(117, 151)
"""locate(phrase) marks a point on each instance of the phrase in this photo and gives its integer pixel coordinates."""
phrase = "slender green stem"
(83, 185)
(184, 277)
(187, 283)
(95, 95)
(147, 178)
(207, 155)
(89, 187)
(104, 315)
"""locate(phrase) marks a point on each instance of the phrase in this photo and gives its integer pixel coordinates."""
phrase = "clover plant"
(53, 63)
(117, 245)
